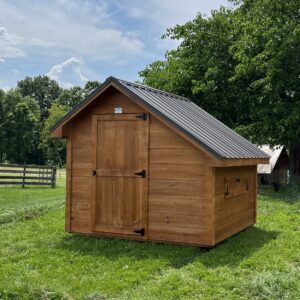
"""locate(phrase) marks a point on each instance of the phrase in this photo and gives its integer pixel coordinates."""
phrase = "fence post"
(24, 174)
(53, 177)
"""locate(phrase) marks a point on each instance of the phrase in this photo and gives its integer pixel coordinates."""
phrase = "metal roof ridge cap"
(154, 90)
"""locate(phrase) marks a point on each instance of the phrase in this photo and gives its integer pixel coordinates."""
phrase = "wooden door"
(120, 173)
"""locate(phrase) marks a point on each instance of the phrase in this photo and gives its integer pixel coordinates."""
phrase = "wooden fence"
(27, 175)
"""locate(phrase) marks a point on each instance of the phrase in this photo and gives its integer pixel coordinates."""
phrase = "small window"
(236, 185)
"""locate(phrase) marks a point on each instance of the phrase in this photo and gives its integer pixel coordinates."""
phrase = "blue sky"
(77, 40)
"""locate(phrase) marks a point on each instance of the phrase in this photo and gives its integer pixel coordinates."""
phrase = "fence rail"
(12, 174)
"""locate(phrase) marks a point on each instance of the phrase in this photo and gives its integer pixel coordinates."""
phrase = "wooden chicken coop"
(145, 164)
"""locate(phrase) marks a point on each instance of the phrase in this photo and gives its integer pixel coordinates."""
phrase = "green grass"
(38, 260)
(17, 203)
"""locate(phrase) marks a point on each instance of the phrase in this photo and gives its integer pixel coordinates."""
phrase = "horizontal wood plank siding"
(179, 171)
(235, 200)
(177, 203)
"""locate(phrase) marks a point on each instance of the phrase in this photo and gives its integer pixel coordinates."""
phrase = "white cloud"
(81, 28)
(13, 45)
(117, 37)
(2, 60)
(9, 44)
(157, 15)
(68, 73)
(167, 13)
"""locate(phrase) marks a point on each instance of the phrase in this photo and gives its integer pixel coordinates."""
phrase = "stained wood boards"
(81, 151)
(235, 200)
(121, 171)
(177, 204)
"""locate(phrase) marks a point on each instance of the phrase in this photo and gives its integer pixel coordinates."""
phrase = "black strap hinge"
(140, 231)
(142, 117)
(141, 174)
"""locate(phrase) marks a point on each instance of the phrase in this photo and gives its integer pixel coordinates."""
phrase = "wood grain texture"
(177, 205)
(121, 194)
(176, 156)
(178, 171)
(69, 175)
(235, 199)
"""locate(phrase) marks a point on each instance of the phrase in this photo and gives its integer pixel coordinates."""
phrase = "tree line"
(28, 111)
(242, 65)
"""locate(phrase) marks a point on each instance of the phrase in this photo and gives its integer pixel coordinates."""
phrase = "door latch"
(142, 117)
(140, 231)
(94, 173)
(142, 174)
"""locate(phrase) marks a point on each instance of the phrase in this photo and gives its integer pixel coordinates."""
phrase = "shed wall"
(178, 207)
(235, 200)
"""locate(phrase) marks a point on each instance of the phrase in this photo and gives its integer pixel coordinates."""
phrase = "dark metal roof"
(186, 116)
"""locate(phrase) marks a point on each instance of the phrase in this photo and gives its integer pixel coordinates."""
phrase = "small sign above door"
(118, 110)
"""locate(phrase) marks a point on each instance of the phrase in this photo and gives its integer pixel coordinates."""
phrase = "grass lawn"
(17, 203)
(38, 260)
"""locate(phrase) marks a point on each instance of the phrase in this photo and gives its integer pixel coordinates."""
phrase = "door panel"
(120, 189)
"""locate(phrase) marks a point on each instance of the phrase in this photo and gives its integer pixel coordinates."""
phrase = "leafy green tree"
(41, 88)
(53, 149)
(243, 66)
(200, 67)
(73, 96)
(90, 86)
(267, 55)
(20, 127)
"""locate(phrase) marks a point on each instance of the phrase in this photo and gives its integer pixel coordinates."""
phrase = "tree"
(268, 65)
(243, 66)
(54, 149)
(201, 66)
(90, 86)
(19, 127)
(73, 96)
(41, 88)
